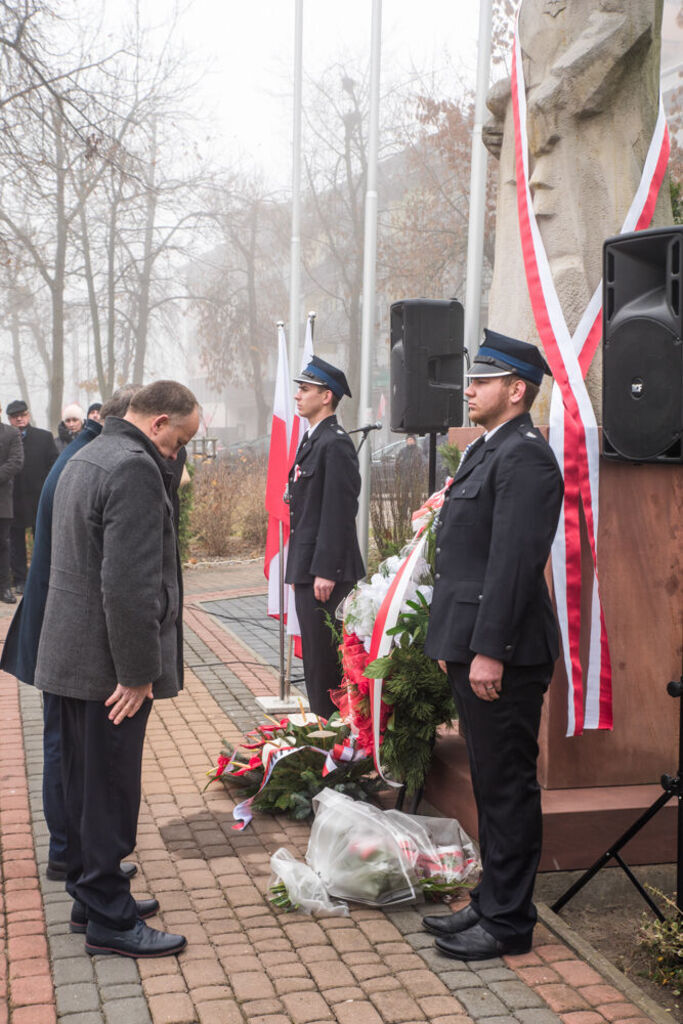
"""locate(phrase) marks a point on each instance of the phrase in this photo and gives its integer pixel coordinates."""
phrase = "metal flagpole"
(475, 233)
(295, 247)
(369, 258)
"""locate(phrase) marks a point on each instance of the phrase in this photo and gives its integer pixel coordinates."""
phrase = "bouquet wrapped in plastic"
(367, 855)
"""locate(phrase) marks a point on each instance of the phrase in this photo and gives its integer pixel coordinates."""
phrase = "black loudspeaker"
(642, 398)
(426, 365)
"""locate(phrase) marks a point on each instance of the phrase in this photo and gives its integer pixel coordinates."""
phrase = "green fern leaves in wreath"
(419, 693)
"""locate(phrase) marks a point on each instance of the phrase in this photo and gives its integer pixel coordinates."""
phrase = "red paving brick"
(245, 963)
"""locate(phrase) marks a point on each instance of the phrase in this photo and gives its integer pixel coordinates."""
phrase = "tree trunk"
(58, 281)
(145, 281)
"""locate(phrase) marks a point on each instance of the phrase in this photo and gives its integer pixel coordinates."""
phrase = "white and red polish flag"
(299, 426)
(276, 482)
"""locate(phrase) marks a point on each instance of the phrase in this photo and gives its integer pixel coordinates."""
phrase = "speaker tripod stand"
(673, 787)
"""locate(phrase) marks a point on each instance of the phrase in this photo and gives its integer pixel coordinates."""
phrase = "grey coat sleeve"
(14, 461)
(132, 570)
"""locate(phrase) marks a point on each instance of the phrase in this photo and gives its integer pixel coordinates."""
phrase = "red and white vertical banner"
(276, 482)
(573, 427)
(299, 426)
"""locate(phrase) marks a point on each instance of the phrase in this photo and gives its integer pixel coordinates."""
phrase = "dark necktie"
(302, 442)
(472, 447)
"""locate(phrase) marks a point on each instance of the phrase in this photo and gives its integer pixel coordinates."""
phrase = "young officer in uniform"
(324, 560)
(493, 630)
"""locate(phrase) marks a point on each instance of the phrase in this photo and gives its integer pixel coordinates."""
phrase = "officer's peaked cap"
(500, 356)
(325, 375)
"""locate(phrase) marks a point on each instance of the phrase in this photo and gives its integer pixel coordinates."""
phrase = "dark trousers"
(322, 668)
(53, 791)
(502, 744)
(101, 775)
(17, 553)
(4, 553)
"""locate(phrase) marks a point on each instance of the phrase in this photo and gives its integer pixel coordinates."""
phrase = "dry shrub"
(228, 515)
(251, 518)
(393, 499)
(213, 508)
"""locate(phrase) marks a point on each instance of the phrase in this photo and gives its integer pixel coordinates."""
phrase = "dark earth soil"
(608, 913)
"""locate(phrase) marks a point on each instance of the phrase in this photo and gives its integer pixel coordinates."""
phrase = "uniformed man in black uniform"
(324, 560)
(493, 630)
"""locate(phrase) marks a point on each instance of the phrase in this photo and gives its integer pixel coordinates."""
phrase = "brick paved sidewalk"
(245, 962)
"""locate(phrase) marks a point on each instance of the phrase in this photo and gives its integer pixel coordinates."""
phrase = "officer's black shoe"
(129, 869)
(7, 596)
(477, 944)
(451, 924)
(79, 914)
(140, 941)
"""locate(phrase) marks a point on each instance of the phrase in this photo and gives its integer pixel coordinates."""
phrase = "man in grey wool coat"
(109, 645)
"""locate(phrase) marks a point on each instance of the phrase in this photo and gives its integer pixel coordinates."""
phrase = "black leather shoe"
(140, 941)
(7, 596)
(451, 924)
(79, 914)
(129, 869)
(477, 944)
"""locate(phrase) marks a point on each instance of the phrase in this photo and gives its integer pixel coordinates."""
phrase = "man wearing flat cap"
(40, 452)
(493, 631)
(324, 560)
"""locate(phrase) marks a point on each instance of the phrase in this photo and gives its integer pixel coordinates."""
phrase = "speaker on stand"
(426, 369)
(642, 407)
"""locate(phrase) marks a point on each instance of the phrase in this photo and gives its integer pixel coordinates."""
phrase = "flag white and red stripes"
(299, 427)
(573, 427)
(278, 469)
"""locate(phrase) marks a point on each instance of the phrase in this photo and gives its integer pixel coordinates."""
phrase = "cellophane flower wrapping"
(376, 857)
(305, 889)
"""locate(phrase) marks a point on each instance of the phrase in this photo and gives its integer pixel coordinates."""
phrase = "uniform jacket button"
(508, 647)
(438, 551)
(437, 576)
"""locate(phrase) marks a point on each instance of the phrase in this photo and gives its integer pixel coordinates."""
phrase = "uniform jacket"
(324, 485)
(21, 646)
(493, 541)
(11, 461)
(40, 452)
(112, 612)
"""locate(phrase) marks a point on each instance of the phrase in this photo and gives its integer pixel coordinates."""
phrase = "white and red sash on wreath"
(573, 427)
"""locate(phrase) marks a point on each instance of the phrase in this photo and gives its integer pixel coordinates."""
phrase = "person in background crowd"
(40, 453)
(324, 560)
(94, 411)
(411, 477)
(11, 461)
(21, 645)
(72, 422)
(492, 629)
(112, 648)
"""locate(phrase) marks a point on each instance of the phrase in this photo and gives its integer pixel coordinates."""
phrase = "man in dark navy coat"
(324, 560)
(493, 630)
(40, 453)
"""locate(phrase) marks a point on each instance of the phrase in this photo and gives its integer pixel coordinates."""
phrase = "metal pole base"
(282, 706)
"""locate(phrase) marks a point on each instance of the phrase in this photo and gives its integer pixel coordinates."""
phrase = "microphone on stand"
(366, 430)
